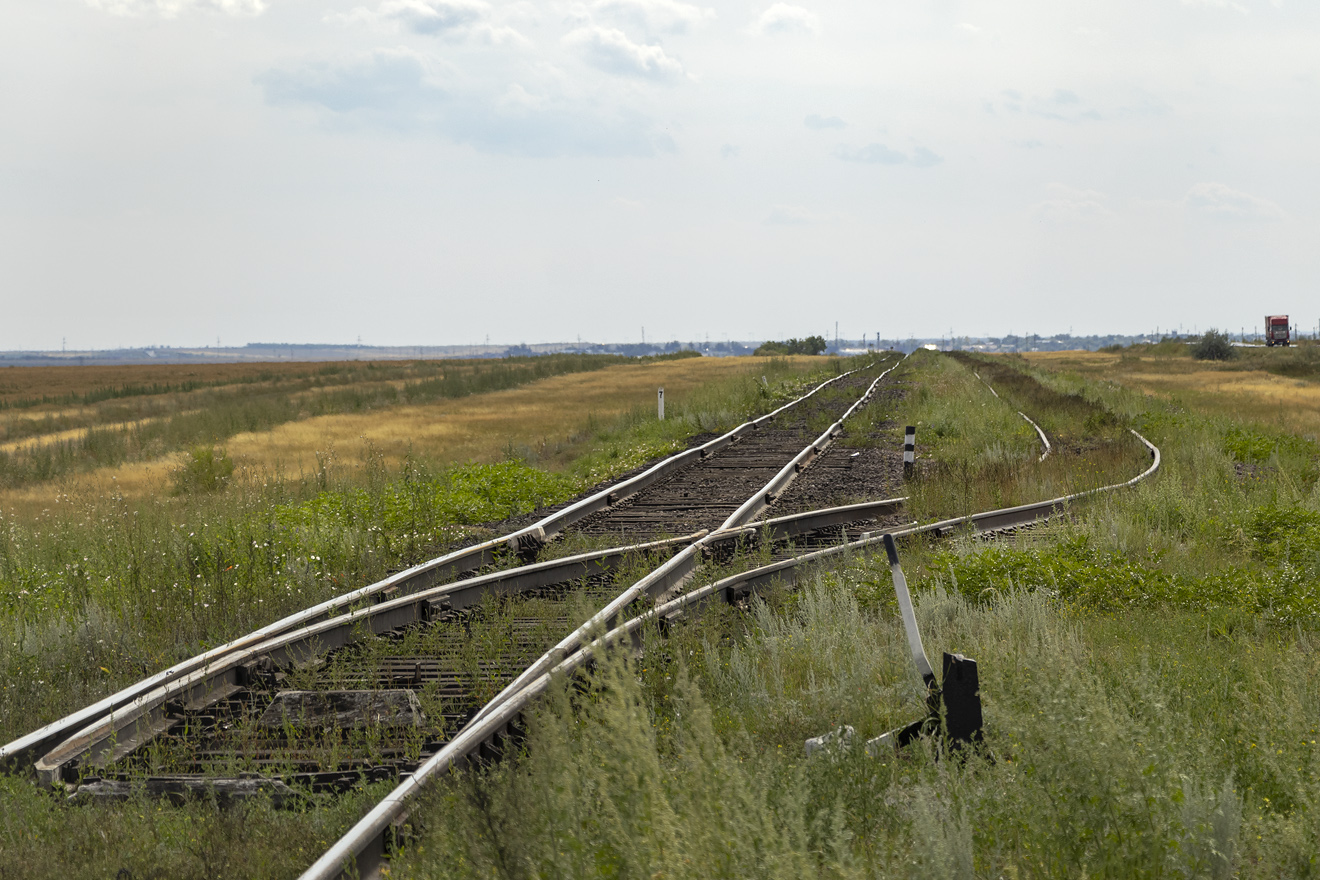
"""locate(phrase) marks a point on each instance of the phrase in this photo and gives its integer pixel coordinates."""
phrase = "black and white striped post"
(909, 450)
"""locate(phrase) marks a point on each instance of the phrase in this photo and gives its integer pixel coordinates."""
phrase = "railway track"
(707, 494)
(302, 703)
(364, 850)
(417, 674)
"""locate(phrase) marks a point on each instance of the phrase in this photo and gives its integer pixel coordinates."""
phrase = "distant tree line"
(808, 345)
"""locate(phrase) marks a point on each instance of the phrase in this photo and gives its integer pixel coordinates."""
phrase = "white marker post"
(909, 450)
(661, 404)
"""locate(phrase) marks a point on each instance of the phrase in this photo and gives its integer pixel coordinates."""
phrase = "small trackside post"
(661, 403)
(909, 451)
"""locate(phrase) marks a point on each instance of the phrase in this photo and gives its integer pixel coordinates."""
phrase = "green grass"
(975, 452)
(1192, 758)
(1149, 671)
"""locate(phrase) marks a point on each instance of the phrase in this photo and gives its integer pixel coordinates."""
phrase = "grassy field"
(550, 422)
(98, 587)
(1149, 670)
(1150, 665)
(1279, 388)
(117, 416)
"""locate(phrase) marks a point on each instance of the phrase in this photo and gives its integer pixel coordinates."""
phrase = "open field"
(1149, 664)
(546, 422)
(33, 387)
(101, 423)
(1287, 395)
(128, 579)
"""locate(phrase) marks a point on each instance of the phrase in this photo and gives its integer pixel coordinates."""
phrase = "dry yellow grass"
(1085, 360)
(177, 402)
(27, 443)
(1252, 395)
(480, 428)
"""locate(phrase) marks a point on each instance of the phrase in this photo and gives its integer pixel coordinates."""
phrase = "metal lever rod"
(909, 617)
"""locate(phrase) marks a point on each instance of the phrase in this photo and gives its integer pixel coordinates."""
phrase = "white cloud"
(785, 18)
(1069, 205)
(171, 8)
(790, 215)
(1218, 4)
(1062, 105)
(610, 50)
(378, 83)
(655, 16)
(434, 16)
(399, 89)
(1219, 200)
(879, 154)
(460, 19)
(819, 123)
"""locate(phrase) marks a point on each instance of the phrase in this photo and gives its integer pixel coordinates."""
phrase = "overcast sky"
(440, 171)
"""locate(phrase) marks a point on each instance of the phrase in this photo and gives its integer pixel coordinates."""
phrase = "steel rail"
(122, 731)
(683, 564)
(413, 579)
(362, 851)
(753, 507)
(118, 733)
(1043, 439)
(794, 524)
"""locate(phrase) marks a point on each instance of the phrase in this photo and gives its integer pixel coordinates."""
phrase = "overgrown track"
(705, 495)
(364, 850)
(525, 540)
(375, 691)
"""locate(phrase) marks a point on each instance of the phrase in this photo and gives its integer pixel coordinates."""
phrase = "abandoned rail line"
(432, 667)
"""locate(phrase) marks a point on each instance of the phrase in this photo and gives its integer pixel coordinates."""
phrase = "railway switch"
(953, 704)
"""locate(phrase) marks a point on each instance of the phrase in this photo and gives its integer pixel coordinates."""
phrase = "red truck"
(1276, 329)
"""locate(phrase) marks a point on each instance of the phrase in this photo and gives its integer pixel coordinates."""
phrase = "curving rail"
(21, 751)
(363, 850)
(1045, 441)
(155, 711)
